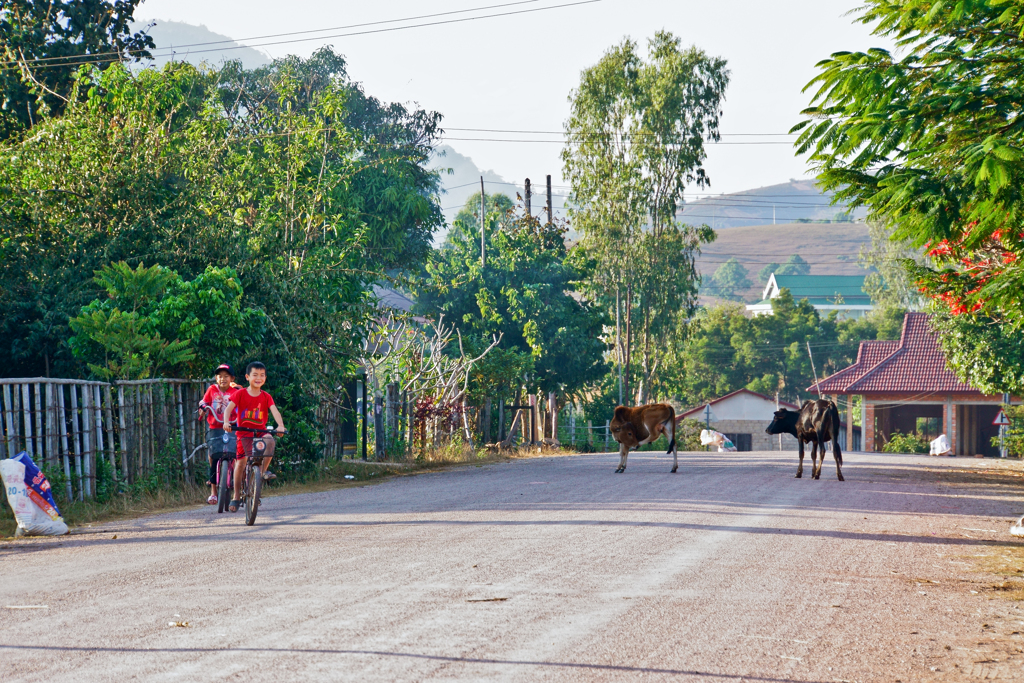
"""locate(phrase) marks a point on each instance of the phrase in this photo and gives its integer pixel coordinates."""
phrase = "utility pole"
(549, 200)
(528, 195)
(483, 252)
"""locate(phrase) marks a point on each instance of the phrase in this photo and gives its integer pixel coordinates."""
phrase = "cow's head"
(783, 422)
(623, 430)
(626, 435)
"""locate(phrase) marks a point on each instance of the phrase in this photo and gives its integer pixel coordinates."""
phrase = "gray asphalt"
(539, 569)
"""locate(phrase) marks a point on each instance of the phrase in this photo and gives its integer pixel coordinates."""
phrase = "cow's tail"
(835, 427)
(672, 426)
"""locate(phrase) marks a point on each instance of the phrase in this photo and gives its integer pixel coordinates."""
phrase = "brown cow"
(633, 427)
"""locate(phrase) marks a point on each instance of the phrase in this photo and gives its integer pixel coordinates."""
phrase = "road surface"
(542, 569)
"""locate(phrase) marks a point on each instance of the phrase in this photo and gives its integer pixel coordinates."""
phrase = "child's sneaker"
(212, 500)
(269, 476)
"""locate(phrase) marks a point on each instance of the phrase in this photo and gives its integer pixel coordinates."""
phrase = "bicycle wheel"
(252, 494)
(222, 486)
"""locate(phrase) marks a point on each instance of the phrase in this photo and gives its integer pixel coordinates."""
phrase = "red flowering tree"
(930, 141)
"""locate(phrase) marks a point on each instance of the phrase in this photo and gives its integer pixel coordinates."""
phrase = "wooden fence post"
(62, 424)
(40, 445)
(18, 429)
(76, 440)
(108, 418)
(51, 426)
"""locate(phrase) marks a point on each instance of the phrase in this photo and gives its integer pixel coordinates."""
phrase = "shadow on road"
(410, 655)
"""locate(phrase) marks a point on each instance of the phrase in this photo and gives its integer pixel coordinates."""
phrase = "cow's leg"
(623, 454)
(839, 458)
(800, 467)
(670, 429)
(817, 458)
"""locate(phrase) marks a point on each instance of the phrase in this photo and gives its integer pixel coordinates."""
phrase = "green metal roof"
(825, 289)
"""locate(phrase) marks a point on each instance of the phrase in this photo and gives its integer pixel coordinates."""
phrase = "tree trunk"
(378, 427)
(487, 421)
(392, 413)
(629, 344)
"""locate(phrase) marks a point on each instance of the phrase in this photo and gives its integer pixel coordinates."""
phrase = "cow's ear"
(620, 413)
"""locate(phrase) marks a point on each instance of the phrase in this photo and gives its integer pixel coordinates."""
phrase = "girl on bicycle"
(216, 399)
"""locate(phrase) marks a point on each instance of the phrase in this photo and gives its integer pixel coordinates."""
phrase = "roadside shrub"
(906, 443)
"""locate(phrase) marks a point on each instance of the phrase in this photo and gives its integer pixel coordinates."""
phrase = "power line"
(91, 58)
(553, 132)
(571, 142)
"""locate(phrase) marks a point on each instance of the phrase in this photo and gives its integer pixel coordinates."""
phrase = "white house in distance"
(743, 416)
(842, 293)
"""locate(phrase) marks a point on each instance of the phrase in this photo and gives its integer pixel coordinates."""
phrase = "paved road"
(541, 569)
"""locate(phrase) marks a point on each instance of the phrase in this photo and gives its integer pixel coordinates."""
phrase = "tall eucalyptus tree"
(635, 141)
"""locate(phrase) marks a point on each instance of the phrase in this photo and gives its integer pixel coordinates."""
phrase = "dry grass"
(1005, 563)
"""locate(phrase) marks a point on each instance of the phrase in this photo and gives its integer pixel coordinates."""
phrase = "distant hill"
(187, 42)
(830, 249)
(795, 201)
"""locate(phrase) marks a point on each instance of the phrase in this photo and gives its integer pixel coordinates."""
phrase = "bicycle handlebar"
(254, 430)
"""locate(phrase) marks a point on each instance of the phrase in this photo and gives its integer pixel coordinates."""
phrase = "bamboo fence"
(69, 425)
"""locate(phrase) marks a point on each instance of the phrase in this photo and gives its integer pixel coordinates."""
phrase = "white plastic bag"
(28, 493)
(709, 437)
(940, 446)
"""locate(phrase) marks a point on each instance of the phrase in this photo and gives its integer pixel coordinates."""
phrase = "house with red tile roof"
(905, 386)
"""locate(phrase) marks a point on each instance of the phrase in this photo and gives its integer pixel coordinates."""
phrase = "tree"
(526, 293)
(730, 279)
(497, 206)
(154, 168)
(983, 352)
(44, 42)
(794, 265)
(152, 321)
(931, 143)
(726, 350)
(766, 272)
(889, 284)
(635, 140)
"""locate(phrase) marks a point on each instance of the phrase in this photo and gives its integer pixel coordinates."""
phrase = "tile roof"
(913, 365)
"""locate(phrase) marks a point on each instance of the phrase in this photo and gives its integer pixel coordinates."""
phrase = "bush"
(906, 443)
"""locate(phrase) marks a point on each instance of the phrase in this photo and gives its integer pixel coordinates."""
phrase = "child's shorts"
(245, 445)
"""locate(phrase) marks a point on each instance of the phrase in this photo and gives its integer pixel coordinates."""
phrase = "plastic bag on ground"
(940, 446)
(709, 437)
(28, 493)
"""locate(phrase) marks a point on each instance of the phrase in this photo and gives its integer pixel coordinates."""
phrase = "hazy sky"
(516, 72)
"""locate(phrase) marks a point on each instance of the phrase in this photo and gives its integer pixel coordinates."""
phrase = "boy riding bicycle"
(213, 404)
(252, 406)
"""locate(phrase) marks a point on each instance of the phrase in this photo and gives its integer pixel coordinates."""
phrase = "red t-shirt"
(252, 411)
(218, 401)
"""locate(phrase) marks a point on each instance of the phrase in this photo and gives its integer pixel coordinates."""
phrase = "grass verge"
(326, 476)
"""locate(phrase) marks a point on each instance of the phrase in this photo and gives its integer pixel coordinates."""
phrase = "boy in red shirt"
(213, 404)
(253, 406)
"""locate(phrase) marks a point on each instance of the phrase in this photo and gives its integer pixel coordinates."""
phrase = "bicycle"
(225, 459)
(252, 484)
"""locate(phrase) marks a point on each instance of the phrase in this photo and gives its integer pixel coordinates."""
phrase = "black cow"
(817, 422)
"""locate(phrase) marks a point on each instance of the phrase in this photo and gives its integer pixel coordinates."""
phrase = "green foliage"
(794, 265)
(1014, 439)
(43, 43)
(496, 205)
(290, 177)
(906, 443)
(928, 140)
(635, 137)
(985, 353)
(525, 292)
(153, 322)
(766, 272)
(725, 350)
(729, 280)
